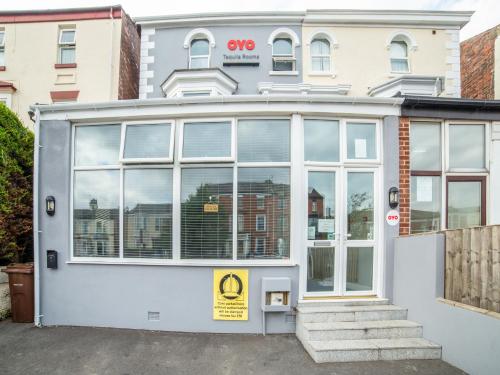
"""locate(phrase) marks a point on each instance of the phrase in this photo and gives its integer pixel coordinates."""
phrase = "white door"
(342, 232)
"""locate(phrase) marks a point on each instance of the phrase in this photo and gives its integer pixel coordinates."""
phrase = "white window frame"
(329, 55)
(65, 45)
(263, 240)
(260, 217)
(168, 159)
(230, 158)
(343, 138)
(258, 199)
(487, 137)
(284, 33)
(7, 98)
(2, 45)
(208, 57)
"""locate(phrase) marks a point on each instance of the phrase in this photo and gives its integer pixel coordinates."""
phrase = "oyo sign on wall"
(241, 44)
(238, 54)
(392, 217)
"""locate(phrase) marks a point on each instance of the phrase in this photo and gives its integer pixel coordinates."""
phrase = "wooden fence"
(472, 263)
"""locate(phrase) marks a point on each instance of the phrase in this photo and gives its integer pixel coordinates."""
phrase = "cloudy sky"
(487, 11)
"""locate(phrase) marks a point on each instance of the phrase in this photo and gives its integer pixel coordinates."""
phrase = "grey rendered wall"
(169, 54)
(122, 295)
(391, 178)
(470, 340)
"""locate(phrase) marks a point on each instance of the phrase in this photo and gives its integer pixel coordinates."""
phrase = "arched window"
(199, 54)
(283, 57)
(399, 56)
(320, 55)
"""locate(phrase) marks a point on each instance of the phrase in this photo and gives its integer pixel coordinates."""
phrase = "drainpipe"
(36, 231)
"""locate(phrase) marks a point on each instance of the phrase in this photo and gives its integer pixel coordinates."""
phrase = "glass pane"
(199, 47)
(282, 66)
(320, 47)
(359, 273)
(282, 46)
(467, 146)
(399, 50)
(273, 184)
(320, 64)
(2, 56)
(206, 213)
(2, 37)
(425, 147)
(464, 204)
(321, 140)
(399, 65)
(321, 206)
(320, 269)
(97, 145)
(67, 36)
(67, 55)
(147, 141)
(147, 213)
(425, 203)
(264, 140)
(360, 205)
(96, 214)
(207, 140)
(199, 62)
(361, 141)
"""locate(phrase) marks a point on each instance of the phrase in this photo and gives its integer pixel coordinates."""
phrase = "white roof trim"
(302, 88)
(281, 31)
(212, 80)
(407, 84)
(412, 43)
(197, 33)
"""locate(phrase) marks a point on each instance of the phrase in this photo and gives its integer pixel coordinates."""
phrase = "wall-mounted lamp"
(393, 197)
(50, 205)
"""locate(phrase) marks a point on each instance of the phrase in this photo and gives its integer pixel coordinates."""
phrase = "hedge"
(16, 169)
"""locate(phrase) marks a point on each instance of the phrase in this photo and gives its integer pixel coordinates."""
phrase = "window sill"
(172, 263)
(3, 68)
(284, 73)
(322, 74)
(397, 74)
(64, 66)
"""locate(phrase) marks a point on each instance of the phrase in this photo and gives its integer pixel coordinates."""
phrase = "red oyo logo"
(241, 44)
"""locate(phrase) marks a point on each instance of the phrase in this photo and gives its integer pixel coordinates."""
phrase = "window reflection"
(147, 141)
(263, 232)
(321, 140)
(264, 140)
(425, 203)
(360, 205)
(361, 141)
(464, 204)
(97, 145)
(96, 213)
(321, 206)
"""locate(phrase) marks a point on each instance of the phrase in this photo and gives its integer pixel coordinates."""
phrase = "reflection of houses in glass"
(463, 217)
(148, 231)
(425, 221)
(96, 231)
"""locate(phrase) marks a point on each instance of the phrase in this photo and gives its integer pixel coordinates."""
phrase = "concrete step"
(344, 302)
(377, 329)
(372, 350)
(335, 313)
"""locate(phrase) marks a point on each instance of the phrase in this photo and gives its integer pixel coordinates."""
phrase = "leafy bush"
(16, 169)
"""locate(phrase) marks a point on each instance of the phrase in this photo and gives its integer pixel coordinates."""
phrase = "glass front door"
(341, 231)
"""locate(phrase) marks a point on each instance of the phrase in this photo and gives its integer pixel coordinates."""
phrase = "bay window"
(134, 199)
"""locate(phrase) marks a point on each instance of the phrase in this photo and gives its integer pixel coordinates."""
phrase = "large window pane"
(264, 140)
(321, 206)
(361, 141)
(147, 141)
(207, 139)
(97, 145)
(359, 272)
(282, 47)
(321, 140)
(467, 146)
(425, 203)
(147, 213)
(96, 214)
(199, 47)
(360, 205)
(273, 184)
(320, 269)
(425, 147)
(464, 204)
(206, 213)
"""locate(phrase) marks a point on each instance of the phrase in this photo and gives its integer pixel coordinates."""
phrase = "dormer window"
(399, 57)
(283, 57)
(199, 54)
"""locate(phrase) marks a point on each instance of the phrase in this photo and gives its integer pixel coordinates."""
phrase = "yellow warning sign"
(230, 294)
(211, 207)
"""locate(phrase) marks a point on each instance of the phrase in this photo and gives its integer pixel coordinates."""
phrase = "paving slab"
(27, 350)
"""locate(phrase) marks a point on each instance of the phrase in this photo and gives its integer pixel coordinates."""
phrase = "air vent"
(153, 315)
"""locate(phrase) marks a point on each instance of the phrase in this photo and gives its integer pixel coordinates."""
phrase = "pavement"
(27, 350)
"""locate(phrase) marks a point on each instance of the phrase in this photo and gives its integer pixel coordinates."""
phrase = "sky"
(487, 11)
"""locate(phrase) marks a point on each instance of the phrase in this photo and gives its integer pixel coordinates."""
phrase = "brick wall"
(477, 60)
(128, 86)
(404, 175)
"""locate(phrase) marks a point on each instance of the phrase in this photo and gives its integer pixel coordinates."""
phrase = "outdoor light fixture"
(393, 197)
(50, 205)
